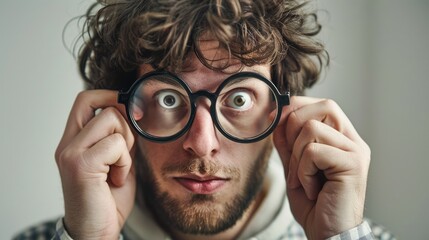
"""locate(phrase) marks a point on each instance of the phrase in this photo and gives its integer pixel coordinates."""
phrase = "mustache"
(202, 167)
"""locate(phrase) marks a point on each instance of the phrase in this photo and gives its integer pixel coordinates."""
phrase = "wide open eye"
(240, 100)
(169, 99)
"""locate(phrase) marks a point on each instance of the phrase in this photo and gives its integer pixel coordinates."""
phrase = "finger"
(319, 158)
(108, 159)
(124, 195)
(107, 122)
(88, 102)
(279, 139)
(296, 103)
(315, 132)
(279, 134)
(318, 132)
(83, 110)
(326, 111)
(292, 180)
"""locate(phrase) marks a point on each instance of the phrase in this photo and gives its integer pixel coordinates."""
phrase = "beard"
(200, 214)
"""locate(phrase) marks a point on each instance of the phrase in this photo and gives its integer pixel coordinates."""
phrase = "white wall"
(399, 182)
(379, 76)
(379, 52)
(38, 83)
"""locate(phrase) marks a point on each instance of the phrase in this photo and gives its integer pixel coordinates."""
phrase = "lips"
(201, 185)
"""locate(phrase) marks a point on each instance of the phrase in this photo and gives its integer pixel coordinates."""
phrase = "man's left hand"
(326, 166)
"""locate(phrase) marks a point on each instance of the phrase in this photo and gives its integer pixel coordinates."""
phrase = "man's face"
(202, 183)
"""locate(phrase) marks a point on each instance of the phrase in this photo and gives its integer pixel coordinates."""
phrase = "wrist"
(81, 230)
(61, 233)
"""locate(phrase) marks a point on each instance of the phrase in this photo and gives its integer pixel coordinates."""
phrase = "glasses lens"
(246, 108)
(160, 106)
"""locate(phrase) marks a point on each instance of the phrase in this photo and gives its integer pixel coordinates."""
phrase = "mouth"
(201, 185)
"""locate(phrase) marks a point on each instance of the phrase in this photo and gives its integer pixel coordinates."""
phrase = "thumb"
(296, 103)
(279, 134)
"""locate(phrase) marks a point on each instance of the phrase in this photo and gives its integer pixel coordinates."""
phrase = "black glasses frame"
(282, 100)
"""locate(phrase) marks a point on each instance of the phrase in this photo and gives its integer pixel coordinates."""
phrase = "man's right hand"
(96, 167)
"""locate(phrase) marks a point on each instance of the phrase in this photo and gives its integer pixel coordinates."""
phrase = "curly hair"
(121, 35)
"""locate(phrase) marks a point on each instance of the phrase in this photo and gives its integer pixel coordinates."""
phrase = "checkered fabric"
(54, 230)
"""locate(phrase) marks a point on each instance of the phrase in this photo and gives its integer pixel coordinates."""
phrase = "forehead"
(198, 76)
(210, 51)
(215, 55)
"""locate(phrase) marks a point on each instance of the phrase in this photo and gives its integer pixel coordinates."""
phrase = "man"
(188, 150)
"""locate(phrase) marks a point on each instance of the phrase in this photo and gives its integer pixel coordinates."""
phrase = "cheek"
(246, 154)
(155, 154)
(236, 155)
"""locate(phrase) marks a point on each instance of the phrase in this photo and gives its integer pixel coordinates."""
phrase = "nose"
(202, 138)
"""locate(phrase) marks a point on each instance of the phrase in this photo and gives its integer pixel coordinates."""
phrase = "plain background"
(378, 74)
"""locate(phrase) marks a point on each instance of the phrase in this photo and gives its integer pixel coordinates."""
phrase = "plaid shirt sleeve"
(54, 230)
(366, 231)
(361, 232)
(61, 233)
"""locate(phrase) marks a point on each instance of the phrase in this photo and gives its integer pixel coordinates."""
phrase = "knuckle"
(335, 115)
(114, 116)
(367, 153)
(111, 112)
(331, 104)
(57, 154)
(82, 96)
(360, 163)
(362, 152)
(117, 118)
(311, 150)
(367, 149)
(311, 125)
(117, 139)
(66, 159)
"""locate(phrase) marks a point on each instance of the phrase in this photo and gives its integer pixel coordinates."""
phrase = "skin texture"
(325, 161)
(204, 147)
(326, 164)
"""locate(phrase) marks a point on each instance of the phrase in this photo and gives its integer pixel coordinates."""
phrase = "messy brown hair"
(120, 35)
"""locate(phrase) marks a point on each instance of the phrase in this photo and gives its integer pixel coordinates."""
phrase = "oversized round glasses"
(245, 108)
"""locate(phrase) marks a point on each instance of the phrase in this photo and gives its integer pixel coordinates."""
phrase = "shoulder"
(44, 230)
